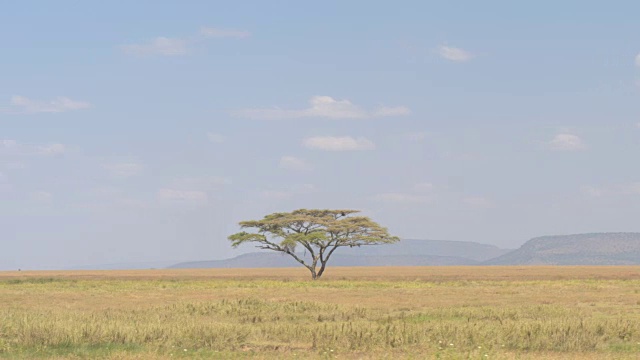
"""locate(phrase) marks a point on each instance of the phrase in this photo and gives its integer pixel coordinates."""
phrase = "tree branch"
(320, 232)
(273, 246)
(300, 260)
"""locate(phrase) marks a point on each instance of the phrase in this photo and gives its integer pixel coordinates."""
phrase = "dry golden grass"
(389, 273)
(353, 313)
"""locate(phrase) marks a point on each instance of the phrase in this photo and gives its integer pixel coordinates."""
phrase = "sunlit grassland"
(354, 313)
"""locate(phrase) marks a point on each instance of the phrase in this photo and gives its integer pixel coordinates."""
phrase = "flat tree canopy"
(318, 232)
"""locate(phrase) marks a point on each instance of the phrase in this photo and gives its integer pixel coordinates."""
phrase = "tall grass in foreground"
(258, 324)
(253, 323)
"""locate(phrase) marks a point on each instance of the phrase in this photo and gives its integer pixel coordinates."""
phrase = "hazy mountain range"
(405, 252)
(580, 249)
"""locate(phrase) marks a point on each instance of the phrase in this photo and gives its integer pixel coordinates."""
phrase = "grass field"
(352, 313)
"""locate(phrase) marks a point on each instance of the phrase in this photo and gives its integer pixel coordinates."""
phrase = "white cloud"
(12, 147)
(51, 149)
(5, 186)
(204, 183)
(131, 203)
(385, 111)
(110, 197)
(478, 202)
(165, 46)
(159, 46)
(323, 107)
(182, 195)
(304, 189)
(41, 196)
(15, 165)
(638, 60)
(192, 189)
(633, 188)
(454, 54)
(104, 192)
(567, 142)
(275, 195)
(123, 170)
(422, 192)
(424, 187)
(338, 143)
(294, 163)
(215, 138)
(23, 104)
(287, 194)
(627, 189)
(402, 198)
(417, 136)
(210, 32)
(592, 191)
(8, 144)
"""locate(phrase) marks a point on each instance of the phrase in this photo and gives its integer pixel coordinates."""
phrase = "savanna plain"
(351, 313)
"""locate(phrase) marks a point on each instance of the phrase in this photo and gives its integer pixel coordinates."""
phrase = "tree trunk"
(314, 274)
(325, 260)
(322, 267)
(312, 268)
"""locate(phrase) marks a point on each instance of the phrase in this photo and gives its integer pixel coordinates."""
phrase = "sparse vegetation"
(449, 313)
(318, 232)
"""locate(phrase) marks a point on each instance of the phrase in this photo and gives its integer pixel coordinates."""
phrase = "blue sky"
(144, 131)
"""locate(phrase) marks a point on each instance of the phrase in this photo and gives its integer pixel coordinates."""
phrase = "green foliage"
(319, 232)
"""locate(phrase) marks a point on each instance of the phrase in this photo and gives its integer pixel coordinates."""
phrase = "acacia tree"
(318, 232)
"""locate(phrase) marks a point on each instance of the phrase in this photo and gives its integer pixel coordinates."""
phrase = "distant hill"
(404, 253)
(267, 260)
(125, 266)
(409, 247)
(581, 249)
